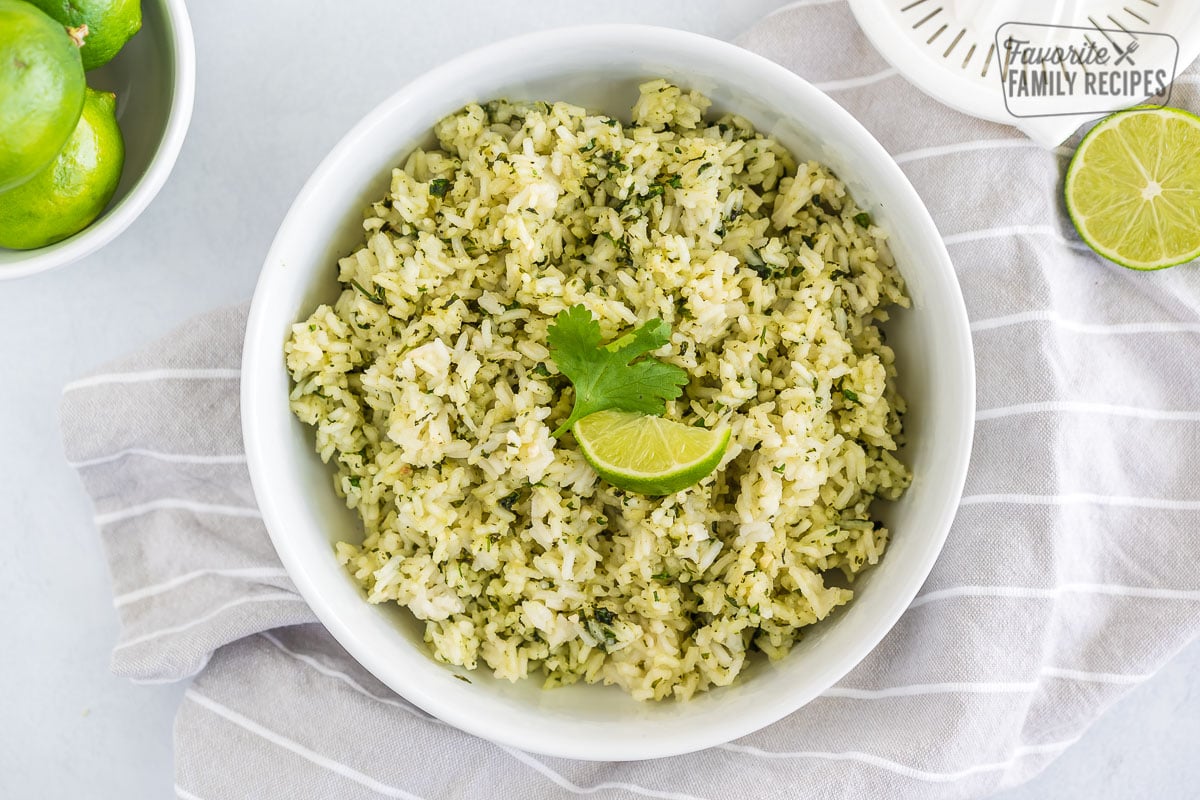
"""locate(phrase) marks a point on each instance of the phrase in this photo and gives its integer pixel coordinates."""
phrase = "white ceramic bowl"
(154, 78)
(600, 67)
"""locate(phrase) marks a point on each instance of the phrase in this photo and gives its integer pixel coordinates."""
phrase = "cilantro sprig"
(612, 376)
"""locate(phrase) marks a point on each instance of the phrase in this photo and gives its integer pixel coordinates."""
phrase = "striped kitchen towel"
(1071, 573)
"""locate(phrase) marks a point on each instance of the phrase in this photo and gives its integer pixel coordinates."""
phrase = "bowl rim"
(113, 222)
(261, 343)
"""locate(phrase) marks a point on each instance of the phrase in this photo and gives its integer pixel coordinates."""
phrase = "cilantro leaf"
(612, 375)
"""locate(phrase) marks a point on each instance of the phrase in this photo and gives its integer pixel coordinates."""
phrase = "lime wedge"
(649, 455)
(1133, 188)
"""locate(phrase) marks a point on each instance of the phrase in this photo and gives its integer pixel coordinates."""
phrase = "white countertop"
(276, 89)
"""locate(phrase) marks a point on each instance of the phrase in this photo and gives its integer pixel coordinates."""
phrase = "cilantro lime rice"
(433, 391)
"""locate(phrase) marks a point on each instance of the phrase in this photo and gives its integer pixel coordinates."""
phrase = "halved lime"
(649, 455)
(1133, 188)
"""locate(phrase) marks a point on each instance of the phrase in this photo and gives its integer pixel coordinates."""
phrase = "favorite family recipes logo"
(1057, 70)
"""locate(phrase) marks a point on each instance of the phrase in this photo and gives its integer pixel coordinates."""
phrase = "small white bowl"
(154, 78)
(600, 67)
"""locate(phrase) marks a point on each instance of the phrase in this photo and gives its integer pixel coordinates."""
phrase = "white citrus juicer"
(951, 50)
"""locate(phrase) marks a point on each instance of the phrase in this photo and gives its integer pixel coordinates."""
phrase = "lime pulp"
(1133, 188)
(649, 455)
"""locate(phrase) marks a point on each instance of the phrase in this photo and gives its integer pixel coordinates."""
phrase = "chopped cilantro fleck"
(823, 204)
(438, 187)
(377, 298)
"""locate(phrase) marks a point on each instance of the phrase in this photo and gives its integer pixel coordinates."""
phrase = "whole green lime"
(68, 195)
(41, 90)
(110, 24)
